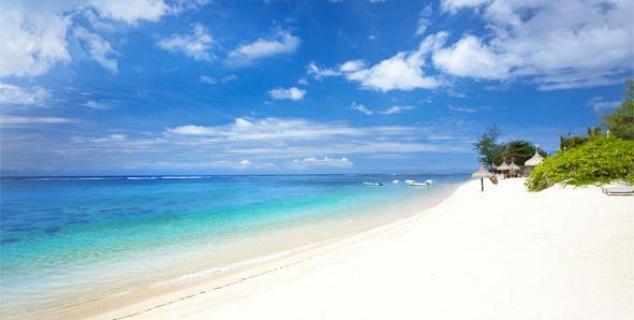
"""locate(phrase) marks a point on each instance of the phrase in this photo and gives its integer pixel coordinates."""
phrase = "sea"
(73, 243)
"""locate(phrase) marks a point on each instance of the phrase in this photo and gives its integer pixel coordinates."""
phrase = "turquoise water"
(89, 237)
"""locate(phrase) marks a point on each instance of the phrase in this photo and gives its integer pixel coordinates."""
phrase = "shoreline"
(120, 305)
(565, 259)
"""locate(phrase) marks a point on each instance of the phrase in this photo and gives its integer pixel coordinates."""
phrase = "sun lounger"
(618, 191)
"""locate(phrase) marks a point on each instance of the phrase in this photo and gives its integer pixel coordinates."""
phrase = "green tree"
(620, 123)
(489, 148)
(519, 151)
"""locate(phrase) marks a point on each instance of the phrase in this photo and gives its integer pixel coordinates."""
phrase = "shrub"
(600, 160)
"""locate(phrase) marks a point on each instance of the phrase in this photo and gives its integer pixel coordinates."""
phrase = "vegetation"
(620, 123)
(570, 141)
(600, 160)
(489, 148)
(493, 152)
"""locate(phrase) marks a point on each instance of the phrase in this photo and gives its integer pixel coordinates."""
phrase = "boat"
(372, 184)
(396, 181)
(414, 183)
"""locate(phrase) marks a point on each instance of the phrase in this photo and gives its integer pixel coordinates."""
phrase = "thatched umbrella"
(482, 173)
(503, 167)
(535, 160)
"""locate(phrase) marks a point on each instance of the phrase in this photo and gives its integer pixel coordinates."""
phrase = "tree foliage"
(620, 123)
(600, 160)
(494, 152)
(489, 148)
(519, 151)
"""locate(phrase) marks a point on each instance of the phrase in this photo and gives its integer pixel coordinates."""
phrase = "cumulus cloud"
(292, 93)
(31, 42)
(131, 11)
(470, 58)
(33, 38)
(14, 95)
(311, 162)
(403, 71)
(455, 5)
(99, 49)
(282, 43)
(196, 45)
(559, 45)
(16, 121)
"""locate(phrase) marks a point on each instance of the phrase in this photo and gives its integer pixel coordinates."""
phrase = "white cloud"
(396, 109)
(282, 43)
(91, 104)
(599, 104)
(469, 58)
(424, 19)
(33, 35)
(403, 71)
(212, 80)
(559, 45)
(11, 121)
(455, 5)
(318, 73)
(131, 11)
(292, 93)
(361, 108)
(388, 111)
(311, 162)
(14, 95)
(267, 129)
(207, 79)
(351, 66)
(196, 46)
(30, 42)
(98, 48)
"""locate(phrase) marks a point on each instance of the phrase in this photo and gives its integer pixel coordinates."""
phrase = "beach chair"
(618, 191)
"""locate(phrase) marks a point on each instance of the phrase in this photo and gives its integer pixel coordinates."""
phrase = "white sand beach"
(563, 253)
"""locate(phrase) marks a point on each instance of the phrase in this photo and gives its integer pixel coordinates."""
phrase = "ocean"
(71, 242)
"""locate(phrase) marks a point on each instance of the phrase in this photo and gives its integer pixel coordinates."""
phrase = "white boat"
(372, 184)
(396, 181)
(414, 183)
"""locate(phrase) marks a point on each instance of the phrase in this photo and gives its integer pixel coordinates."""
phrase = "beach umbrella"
(503, 167)
(535, 160)
(514, 167)
(482, 173)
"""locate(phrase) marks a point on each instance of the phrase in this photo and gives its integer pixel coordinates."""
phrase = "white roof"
(503, 167)
(535, 160)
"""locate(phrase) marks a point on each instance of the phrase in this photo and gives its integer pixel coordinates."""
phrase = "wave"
(205, 273)
(141, 178)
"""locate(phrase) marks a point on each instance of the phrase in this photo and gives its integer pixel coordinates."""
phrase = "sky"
(117, 87)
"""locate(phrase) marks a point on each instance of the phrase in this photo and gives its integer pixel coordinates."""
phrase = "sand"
(563, 253)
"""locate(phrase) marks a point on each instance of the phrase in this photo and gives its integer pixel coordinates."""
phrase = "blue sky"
(189, 87)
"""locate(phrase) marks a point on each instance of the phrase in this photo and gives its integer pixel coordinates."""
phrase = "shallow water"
(82, 239)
